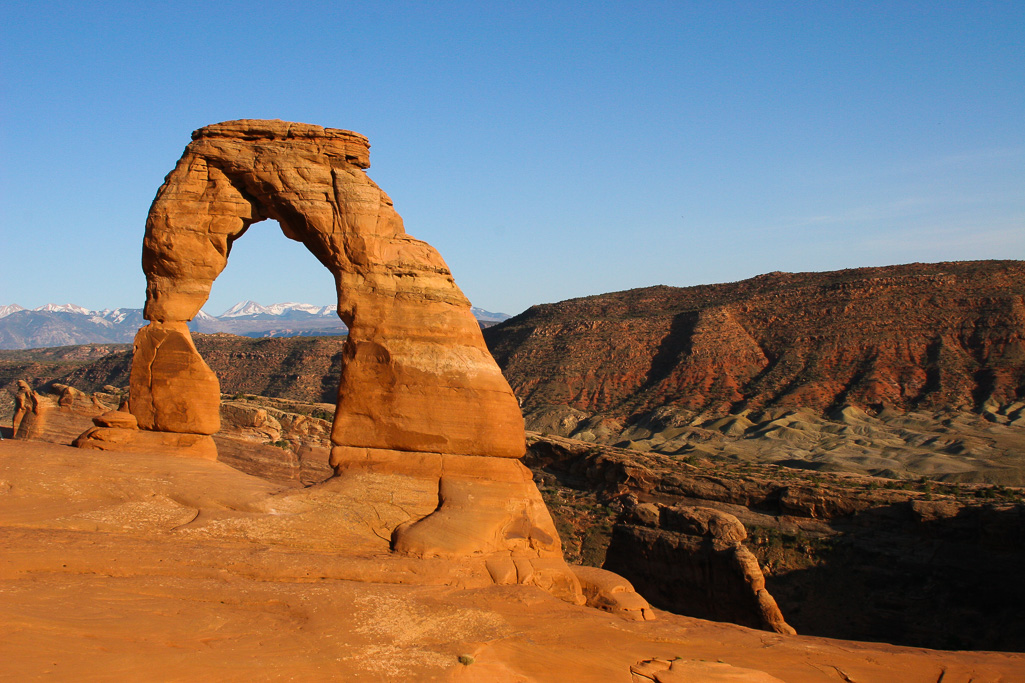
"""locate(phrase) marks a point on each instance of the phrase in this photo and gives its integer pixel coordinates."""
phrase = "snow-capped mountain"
(488, 316)
(63, 308)
(68, 324)
(10, 308)
(251, 308)
(118, 316)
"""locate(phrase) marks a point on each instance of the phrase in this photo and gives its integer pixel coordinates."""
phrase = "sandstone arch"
(421, 402)
(417, 375)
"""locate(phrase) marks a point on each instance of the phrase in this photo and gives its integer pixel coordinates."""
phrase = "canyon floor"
(149, 567)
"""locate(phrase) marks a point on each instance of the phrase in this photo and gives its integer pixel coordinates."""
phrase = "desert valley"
(794, 477)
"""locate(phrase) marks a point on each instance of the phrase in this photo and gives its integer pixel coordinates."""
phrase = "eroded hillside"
(910, 337)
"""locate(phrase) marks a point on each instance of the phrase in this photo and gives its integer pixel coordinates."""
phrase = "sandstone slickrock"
(129, 440)
(135, 565)
(690, 671)
(419, 396)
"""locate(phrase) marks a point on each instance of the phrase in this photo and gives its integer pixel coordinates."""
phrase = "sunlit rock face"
(417, 375)
(422, 406)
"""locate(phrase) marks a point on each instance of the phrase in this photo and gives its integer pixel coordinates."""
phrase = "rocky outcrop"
(420, 400)
(610, 592)
(861, 558)
(692, 560)
(173, 389)
(59, 415)
(409, 325)
(122, 565)
(918, 336)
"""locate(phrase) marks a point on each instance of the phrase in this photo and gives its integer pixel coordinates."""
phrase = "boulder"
(139, 441)
(612, 593)
(173, 389)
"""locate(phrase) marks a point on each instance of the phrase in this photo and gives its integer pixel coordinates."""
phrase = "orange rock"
(172, 389)
(138, 441)
(485, 506)
(25, 402)
(696, 671)
(57, 417)
(612, 593)
(116, 418)
(417, 375)
(419, 397)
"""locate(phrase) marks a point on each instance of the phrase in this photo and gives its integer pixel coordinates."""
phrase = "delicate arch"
(416, 374)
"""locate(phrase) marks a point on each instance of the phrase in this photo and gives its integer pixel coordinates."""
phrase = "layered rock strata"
(922, 336)
(59, 415)
(860, 558)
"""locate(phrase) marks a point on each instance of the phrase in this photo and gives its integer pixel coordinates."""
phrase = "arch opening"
(416, 374)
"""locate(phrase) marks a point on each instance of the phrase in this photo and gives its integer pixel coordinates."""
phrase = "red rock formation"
(58, 416)
(417, 375)
(173, 389)
(421, 402)
(920, 335)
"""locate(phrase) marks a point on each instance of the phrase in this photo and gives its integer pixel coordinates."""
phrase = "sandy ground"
(121, 567)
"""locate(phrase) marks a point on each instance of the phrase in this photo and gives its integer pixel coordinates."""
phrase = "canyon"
(904, 561)
(824, 454)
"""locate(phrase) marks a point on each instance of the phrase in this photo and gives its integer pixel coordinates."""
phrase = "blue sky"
(548, 150)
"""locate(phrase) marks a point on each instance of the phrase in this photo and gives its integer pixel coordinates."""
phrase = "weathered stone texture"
(417, 375)
(693, 560)
(421, 402)
(173, 389)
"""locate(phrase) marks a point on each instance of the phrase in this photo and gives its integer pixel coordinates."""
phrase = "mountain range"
(68, 324)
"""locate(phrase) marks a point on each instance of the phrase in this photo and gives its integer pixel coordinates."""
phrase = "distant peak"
(63, 308)
(247, 307)
(488, 316)
(10, 308)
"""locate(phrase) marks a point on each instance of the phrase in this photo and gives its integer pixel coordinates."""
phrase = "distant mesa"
(916, 336)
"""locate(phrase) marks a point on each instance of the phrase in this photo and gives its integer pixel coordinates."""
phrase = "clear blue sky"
(548, 150)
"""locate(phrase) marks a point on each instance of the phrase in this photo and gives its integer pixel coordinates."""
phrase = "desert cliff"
(912, 337)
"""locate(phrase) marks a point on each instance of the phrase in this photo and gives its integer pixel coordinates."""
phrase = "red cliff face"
(948, 335)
